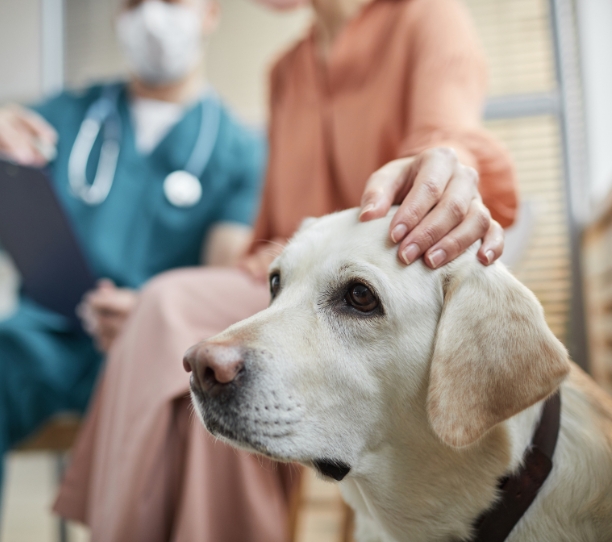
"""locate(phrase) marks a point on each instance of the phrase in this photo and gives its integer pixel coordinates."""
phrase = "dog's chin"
(230, 432)
(327, 468)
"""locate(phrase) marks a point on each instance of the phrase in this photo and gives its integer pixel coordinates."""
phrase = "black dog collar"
(520, 490)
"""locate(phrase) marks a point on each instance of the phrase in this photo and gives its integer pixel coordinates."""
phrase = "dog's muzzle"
(225, 392)
(223, 386)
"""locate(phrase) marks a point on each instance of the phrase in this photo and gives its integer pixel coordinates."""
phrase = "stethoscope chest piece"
(182, 189)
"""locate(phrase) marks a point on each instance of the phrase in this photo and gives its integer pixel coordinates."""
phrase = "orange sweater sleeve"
(445, 99)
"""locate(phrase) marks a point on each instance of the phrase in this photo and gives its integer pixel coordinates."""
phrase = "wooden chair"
(57, 438)
(318, 513)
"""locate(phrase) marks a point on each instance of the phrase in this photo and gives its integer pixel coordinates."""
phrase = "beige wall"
(90, 49)
(249, 38)
(595, 19)
(20, 49)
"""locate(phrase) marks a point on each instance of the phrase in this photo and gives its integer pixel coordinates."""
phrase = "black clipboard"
(37, 234)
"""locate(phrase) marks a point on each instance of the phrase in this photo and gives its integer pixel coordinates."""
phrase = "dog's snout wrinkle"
(214, 365)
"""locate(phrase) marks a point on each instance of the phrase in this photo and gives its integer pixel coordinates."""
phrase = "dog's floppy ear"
(493, 356)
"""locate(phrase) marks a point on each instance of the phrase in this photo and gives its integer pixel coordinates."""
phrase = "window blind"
(534, 143)
(517, 38)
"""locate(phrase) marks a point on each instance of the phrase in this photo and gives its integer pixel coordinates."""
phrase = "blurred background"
(550, 102)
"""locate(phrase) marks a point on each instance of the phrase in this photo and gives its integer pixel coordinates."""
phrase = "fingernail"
(410, 253)
(369, 207)
(489, 255)
(436, 257)
(398, 233)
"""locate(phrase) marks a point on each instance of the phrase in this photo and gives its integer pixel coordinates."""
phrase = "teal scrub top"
(136, 232)
(47, 366)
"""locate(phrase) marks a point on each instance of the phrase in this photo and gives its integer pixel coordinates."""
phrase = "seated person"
(138, 217)
(377, 88)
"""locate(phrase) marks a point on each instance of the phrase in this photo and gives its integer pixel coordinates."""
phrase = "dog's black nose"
(214, 365)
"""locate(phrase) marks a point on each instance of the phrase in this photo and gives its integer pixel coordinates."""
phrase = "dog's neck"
(438, 494)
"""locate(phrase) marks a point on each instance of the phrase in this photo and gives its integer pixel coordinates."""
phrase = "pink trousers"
(144, 469)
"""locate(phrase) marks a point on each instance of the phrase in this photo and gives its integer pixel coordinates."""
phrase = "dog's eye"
(274, 284)
(361, 297)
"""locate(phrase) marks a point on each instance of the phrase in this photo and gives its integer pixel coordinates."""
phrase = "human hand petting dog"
(104, 312)
(440, 213)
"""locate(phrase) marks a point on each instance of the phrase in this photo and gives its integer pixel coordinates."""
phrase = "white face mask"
(161, 42)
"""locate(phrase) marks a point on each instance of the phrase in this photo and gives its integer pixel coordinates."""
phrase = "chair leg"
(62, 527)
(295, 505)
(348, 523)
(62, 531)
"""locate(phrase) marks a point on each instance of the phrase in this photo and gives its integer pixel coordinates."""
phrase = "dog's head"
(355, 343)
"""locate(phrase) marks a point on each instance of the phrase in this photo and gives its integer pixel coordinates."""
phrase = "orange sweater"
(403, 76)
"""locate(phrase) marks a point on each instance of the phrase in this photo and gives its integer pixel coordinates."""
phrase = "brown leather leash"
(518, 491)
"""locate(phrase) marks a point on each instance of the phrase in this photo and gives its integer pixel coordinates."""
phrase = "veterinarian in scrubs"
(378, 90)
(149, 172)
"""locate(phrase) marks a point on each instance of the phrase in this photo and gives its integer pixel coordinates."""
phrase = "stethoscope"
(182, 188)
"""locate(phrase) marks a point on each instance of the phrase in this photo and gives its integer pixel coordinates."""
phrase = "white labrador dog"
(419, 389)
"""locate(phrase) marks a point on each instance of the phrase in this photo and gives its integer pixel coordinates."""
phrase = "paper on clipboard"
(38, 236)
